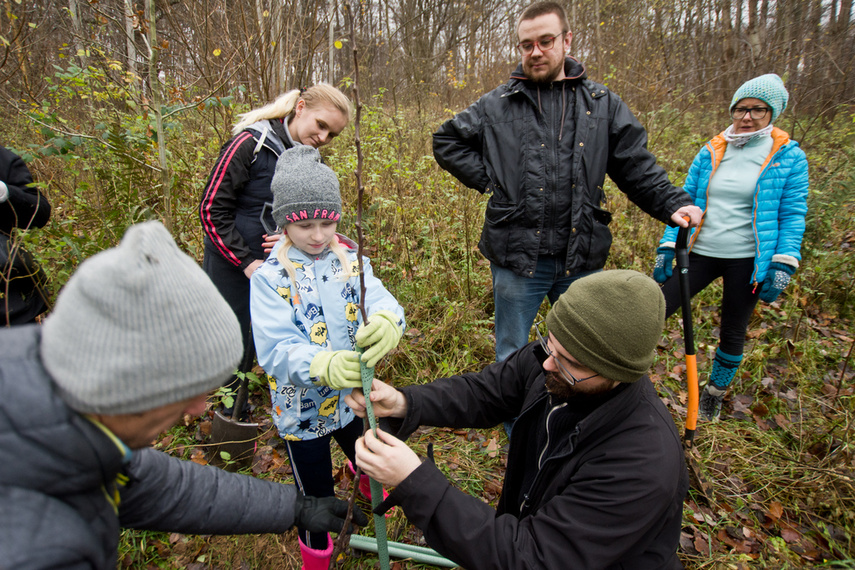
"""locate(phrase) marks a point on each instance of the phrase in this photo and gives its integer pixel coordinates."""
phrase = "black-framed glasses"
(544, 44)
(757, 113)
(566, 374)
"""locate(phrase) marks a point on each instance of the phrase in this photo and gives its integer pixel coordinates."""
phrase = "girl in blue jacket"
(306, 324)
(751, 181)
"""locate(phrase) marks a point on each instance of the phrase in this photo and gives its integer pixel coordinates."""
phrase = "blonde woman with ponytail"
(232, 209)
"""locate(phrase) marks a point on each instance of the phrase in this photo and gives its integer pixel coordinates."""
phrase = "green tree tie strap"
(376, 487)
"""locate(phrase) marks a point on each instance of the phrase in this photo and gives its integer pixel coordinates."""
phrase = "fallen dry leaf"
(492, 448)
(776, 510)
(789, 535)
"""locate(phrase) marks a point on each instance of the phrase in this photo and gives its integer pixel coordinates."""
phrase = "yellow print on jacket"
(354, 267)
(328, 406)
(319, 333)
(284, 292)
(351, 312)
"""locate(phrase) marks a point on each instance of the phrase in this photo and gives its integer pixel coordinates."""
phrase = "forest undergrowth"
(773, 481)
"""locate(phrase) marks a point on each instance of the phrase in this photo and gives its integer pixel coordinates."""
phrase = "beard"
(543, 75)
(560, 388)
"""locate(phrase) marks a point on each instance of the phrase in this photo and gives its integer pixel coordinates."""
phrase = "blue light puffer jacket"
(780, 200)
(293, 322)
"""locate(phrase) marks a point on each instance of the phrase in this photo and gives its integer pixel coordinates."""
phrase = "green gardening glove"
(338, 369)
(379, 336)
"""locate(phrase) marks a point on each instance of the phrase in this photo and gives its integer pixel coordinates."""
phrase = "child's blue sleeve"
(378, 298)
(282, 349)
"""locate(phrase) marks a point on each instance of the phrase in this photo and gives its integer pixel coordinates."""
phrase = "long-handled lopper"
(682, 255)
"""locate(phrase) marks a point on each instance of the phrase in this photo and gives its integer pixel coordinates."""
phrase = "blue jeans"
(518, 299)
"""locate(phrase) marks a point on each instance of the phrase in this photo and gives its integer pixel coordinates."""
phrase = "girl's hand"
(380, 335)
(387, 401)
(268, 241)
(250, 269)
(338, 370)
(385, 458)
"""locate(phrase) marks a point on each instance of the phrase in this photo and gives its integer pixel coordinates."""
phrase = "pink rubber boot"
(365, 484)
(316, 559)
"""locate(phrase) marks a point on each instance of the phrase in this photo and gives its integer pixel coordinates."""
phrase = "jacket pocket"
(601, 238)
(501, 212)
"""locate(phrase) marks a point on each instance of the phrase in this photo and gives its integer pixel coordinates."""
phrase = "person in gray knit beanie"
(139, 326)
(138, 337)
(304, 188)
(610, 322)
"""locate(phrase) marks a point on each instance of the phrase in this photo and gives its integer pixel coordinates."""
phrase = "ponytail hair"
(322, 94)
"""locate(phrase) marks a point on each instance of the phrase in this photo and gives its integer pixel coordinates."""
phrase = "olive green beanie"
(610, 322)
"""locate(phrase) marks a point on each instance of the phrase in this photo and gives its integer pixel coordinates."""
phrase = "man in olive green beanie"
(615, 336)
(595, 473)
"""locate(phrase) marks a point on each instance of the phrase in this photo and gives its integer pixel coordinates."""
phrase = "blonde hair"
(322, 94)
(335, 247)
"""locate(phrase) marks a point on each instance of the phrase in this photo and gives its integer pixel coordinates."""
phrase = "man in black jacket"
(541, 145)
(595, 473)
(22, 206)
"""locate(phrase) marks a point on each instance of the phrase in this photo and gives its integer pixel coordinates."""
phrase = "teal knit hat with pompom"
(768, 88)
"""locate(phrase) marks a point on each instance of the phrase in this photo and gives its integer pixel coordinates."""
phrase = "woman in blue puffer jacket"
(751, 181)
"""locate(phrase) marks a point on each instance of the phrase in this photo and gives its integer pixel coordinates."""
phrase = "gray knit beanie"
(768, 88)
(610, 322)
(139, 326)
(304, 188)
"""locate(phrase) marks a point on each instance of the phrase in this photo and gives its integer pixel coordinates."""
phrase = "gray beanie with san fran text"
(139, 326)
(304, 188)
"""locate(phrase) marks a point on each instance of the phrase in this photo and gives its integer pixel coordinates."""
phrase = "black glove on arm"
(324, 514)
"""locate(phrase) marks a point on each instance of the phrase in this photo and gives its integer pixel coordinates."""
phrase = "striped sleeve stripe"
(210, 192)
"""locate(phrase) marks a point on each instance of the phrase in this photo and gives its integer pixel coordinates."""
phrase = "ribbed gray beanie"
(304, 188)
(610, 322)
(139, 326)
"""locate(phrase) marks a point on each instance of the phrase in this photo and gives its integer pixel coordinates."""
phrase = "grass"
(775, 486)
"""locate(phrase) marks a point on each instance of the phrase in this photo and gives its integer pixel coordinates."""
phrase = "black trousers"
(233, 285)
(311, 463)
(739, 295)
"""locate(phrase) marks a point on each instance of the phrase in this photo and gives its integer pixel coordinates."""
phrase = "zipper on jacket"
(546, 445)
(526, 496)
(571, 447)
(766, 168)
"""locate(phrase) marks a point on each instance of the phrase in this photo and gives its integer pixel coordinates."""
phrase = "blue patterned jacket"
(293, 322)
(780, 200)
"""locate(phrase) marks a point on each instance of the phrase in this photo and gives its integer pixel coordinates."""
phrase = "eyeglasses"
(757, 113)
(568, 377)
(544, 44)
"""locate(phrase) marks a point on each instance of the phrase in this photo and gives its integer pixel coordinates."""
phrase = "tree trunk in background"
(79, 47)
(156, 108)
(433, 54)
